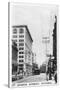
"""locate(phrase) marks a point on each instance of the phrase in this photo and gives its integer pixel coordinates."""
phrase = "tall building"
(22, 37)
(55, 45)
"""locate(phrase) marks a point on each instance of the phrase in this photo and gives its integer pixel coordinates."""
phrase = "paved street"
(35, 78)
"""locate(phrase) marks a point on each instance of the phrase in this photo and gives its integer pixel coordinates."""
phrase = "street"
(35, 78)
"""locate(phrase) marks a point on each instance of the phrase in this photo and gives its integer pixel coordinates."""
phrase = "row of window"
(21, 56)
(21, 65)
(21, 52)
(20, 36)
(21, 40)
(21, 44)
(20, 31)
(21, 48)
(20, 60)
(14, 36)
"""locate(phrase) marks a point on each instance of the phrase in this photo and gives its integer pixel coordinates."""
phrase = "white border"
(4, 43)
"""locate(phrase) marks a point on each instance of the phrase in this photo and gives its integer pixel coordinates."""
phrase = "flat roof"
(17, 26)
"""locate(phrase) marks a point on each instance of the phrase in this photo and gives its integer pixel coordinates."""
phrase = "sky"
(38, 19)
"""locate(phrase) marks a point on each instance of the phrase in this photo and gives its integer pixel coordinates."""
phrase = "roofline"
(17, 26)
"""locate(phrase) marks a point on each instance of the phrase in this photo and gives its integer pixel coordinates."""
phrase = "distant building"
(33, 57)
(43, 68)
(14, 59)
(22, 37)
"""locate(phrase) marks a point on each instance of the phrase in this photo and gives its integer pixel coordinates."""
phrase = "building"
(55, 45)
(53, 59)
(52, 63)
(22, 37)
(14, 60)
(33, 57)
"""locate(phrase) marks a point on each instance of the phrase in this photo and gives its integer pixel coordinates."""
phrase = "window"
(21, 65)
(14, 36)
(20, 60)
(21, 36)
(21, 31)
(21, 44)
(14, 31)
(21, 56)
(21, 52)
(21, 48)
(21, 40)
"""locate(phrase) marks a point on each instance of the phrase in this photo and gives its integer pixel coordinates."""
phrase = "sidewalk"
(48, 82)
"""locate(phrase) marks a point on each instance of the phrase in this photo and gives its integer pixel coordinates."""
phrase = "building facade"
(55, 45)
(14, 60)
(22, 37)
(52, 63)
(33, 57)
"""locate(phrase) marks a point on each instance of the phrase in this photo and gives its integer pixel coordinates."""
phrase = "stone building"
(22, 36)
